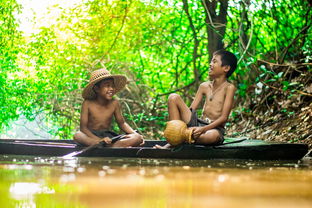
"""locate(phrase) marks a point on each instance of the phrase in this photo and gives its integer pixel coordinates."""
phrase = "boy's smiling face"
(216, 68)
(106, 89)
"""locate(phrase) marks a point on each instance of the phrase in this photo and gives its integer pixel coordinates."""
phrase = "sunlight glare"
(24, 190)
(39, 13)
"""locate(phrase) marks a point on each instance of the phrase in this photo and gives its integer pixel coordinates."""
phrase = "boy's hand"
(106, 140)
(198, 131)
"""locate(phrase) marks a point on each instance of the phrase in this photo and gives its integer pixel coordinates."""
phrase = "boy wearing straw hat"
(98, 109)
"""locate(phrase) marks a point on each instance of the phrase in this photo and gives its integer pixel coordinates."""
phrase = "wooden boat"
(231, 149)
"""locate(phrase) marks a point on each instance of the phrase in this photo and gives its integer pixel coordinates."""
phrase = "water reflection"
(24, 190)
(129, 182)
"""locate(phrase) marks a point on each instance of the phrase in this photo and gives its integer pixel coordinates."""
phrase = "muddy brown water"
(114, 182)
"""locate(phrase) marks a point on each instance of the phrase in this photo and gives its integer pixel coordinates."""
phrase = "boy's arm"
(227, 107)
(84, 121)
(198, 96)
(123, 125)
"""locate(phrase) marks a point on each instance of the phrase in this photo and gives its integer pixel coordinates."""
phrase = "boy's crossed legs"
(128, 140)
(178, 110)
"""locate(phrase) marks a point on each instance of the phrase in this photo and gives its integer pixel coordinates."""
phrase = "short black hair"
(227, 59)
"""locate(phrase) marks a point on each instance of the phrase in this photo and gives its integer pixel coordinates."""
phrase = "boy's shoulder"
(208, 84)
(88, 101)
(230, 86)
(205, 84)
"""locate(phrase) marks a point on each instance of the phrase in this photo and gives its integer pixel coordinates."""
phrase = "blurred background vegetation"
(162, 47)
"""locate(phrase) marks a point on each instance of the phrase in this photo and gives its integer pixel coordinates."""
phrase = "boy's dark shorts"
(104, 133)
(195, 121)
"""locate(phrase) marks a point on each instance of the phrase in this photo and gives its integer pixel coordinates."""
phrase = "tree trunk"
(216, 13)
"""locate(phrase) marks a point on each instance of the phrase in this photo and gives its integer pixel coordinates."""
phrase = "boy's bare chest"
(214, 102)
(96, 111)
(214, 97)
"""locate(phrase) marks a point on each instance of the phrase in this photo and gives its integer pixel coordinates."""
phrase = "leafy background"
(162, 47)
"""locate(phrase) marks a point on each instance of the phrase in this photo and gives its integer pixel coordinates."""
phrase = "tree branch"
(115, 39)
(285, 51)
(196, 41)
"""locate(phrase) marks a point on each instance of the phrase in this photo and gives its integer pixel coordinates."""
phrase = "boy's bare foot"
(162, 147)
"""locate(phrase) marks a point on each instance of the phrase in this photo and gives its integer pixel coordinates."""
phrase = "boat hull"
(232, 149)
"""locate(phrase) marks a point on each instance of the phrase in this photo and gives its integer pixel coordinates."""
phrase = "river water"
(114, 182)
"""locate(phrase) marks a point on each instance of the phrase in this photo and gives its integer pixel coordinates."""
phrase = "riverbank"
(293, 125)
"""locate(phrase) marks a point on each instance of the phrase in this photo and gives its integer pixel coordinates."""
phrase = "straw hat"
(120, 82)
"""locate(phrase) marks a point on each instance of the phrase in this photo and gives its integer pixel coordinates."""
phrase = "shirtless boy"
(98, 110)
(219, 98)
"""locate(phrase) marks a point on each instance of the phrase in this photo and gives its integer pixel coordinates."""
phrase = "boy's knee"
(173, 97)
(134, 141)
(210, 137)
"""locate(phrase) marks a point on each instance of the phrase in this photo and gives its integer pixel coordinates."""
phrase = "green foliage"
(275, 31)
(152, 43)
(9, 40)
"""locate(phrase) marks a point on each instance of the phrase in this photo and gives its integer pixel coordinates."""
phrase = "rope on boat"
(138, 152)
